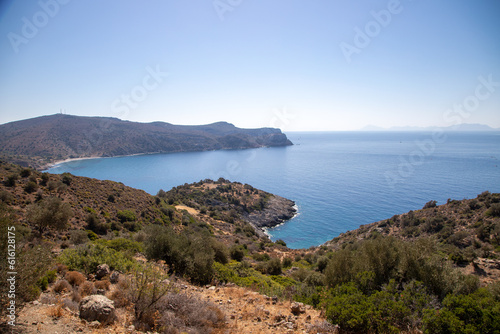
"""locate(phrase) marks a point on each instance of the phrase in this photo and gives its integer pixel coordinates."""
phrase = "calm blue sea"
(339, 180)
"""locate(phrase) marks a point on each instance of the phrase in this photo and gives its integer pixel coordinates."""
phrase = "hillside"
(468, 231)
(43, 140)
(194, 259)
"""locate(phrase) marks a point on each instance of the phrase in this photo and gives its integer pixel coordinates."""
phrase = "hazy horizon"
(295, 65)
(369, 127)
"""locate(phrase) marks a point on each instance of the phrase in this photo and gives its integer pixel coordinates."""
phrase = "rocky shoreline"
(276, 211)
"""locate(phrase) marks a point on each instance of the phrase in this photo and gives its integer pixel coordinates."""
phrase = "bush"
(94, 224)
(49, 213)
(66, 178)
(75, 278)
(30, 187)
(145, 289)
(237, 252)
(86, 289)
(280, 242)
(494, 210)
(87, 257)
(221, 253)
(61, 286)
(273, 266)
(126, 216)
(10, 181)
(6, 196)
(475, 313)
(188, 314)
(78, 237)
(188, 255)
(387, 311)
(104, 284)
(31, 265)
(287, 262)
(122, 245)
(25, 172)
(261, 257)
(430, 204)
(45, 179)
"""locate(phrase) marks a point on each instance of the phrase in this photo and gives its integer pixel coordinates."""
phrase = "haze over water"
(339, 180)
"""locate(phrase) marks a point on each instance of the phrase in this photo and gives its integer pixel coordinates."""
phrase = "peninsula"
(41, 141)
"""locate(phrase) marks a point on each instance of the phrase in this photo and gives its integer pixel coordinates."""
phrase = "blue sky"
(295, 64)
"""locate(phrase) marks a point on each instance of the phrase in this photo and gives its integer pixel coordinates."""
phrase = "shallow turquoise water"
(339, 180)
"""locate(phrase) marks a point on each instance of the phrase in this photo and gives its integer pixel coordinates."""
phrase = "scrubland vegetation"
(417, 271)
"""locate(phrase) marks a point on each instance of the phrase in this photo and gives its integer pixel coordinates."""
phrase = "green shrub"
(126, 216)
(45, 179)
(287, 262)
(91, 235)
(261, 257)
(30, 187)
(51, 212)
(10, 181)
(188, 255)
(221, 253)
(66, 178)
(474, 313)
(94, 224)
(237, 252)
(122, 245)
(494, 210)
(280, 242)
(78, 237)
(87, 257)
(430, 204)
(273, 266)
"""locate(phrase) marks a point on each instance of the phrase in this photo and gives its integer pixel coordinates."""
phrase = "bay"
(339, 180)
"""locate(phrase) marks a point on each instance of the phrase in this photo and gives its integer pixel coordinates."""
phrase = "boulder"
(97, 307)
(114, 277)
(102, 271)
(297, 308)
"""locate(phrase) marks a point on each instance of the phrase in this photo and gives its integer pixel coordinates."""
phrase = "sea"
(338, 180)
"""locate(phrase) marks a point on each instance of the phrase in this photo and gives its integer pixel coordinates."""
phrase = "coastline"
(278, 210)
(59, 162)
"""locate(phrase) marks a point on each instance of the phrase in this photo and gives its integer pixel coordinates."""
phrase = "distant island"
(459, 127)
(41, 141)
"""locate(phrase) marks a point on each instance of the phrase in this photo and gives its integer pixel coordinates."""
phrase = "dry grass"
(75, 296)
(119, 294)
(55, 311)
(61, 286)
(104, 284)
(75, 278)
(86, 289)
(188, 313)
(70, 304)
(61, 269)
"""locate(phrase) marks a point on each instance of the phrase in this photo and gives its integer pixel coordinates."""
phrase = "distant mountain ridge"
(46, 139)
(459, 127)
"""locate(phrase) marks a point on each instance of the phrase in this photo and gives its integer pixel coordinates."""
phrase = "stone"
(94, 324)
(297, 308)
(102, 271)
(114, 277)
(97, 307)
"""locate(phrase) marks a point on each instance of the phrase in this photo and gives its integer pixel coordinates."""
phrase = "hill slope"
(45, 139)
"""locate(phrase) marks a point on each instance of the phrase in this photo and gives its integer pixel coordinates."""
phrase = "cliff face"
(59, 137)
(276, 211)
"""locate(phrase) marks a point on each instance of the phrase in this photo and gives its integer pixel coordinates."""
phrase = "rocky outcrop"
(276, 211)
(102, 271)
(97, 308)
